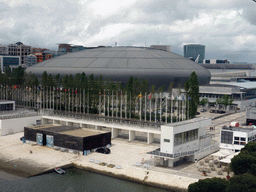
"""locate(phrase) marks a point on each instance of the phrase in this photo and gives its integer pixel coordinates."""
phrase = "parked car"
(212, 111)
(197, 113)
(103, 150)
(220, 111)
(203, 110)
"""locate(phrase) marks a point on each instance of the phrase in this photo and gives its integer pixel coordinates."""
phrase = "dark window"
(236, 142)
(236, 138)
(167, 140)
(243, 139)
(226, 137)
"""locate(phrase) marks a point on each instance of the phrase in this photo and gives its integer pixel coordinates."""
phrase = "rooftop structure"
(235, 138)
(162, 47)
(119, 63)
(243, 94)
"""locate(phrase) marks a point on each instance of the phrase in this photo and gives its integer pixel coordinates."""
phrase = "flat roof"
(246, 85)
(247, 130)
(67, 130)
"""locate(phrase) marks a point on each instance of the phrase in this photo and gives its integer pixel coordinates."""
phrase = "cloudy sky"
(226, 27)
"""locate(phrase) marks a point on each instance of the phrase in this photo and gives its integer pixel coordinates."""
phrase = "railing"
(157, 152)
(18, 114)
(96, 117)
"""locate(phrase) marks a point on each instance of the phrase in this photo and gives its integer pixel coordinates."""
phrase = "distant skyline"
(226, 28)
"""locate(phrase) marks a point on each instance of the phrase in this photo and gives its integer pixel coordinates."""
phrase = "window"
(237, 138)
(226, 137)
(167, 140)
(188, 136)
(243, 139)
(236, 142)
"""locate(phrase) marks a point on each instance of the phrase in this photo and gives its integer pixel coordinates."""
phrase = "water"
(74, 180)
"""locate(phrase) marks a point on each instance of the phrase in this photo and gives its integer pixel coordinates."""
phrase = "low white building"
(235, 138)
(184, 141)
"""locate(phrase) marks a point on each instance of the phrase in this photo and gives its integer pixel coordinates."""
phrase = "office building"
(19, 49)
(9, 61)
(30, 60)
(192, 51)
(235, 138)
(185, 141)
(3, 50)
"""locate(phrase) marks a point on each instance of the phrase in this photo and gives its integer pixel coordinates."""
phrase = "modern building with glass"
(9, 61)
(158, 67)
(193, 50)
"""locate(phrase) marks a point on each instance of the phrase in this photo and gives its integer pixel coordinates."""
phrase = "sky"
(227, 28)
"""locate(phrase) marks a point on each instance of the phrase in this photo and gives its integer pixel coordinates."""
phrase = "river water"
(73, 181)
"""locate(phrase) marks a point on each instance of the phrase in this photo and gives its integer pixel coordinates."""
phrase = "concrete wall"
(10, 126)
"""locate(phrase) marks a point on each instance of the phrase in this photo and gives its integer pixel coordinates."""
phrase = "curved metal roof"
(119, 63)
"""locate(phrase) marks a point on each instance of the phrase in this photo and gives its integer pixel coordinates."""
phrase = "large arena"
(119, 63)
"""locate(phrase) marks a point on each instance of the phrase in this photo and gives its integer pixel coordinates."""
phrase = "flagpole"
(121, 107)
(140, 107)
(155, 106)
(166, 110)
(116, 108)
(126, 105)
(171, 107)
(99, 103)
(150, 108)
(108, 103)
(160, 108)
(104, 103)
(145, 106)
(112, 105)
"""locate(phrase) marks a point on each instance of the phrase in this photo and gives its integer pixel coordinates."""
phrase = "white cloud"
(221, 25)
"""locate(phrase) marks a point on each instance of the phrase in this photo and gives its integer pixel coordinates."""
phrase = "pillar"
(131, 135)
(150, 138)
(69, 123)
(44, 121)
(115, 132)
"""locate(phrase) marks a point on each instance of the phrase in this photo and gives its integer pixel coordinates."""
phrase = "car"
(221, 112)
(103, 150)
(212, 111)
(203, 110)
(197, 113)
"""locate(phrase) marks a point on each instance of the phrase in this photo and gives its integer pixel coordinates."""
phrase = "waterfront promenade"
(15, 158)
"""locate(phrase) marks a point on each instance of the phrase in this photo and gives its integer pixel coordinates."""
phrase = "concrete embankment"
(15, 158)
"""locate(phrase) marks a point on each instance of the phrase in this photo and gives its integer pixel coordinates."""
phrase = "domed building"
(119, 63)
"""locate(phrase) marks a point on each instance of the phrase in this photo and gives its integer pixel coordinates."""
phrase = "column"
(131, 135)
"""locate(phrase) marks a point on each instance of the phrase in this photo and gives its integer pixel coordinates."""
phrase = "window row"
(185, 137)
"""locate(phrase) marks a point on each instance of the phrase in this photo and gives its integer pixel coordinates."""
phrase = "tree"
(209, 185)
(244, 182)
(203, 102)
(193, 86)
(44, 79)
(245, 161)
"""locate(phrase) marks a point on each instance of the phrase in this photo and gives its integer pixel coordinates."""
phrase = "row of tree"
(244, 167)
(80, 81)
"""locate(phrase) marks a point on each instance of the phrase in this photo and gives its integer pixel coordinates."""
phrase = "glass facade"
(7, 61)
(185, 137)
(193, 51)
(227, 137)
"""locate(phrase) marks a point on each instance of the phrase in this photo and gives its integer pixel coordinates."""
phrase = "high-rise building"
(193, 50)
(18, 49)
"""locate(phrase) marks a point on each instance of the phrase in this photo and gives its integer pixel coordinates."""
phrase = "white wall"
(10, 126)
